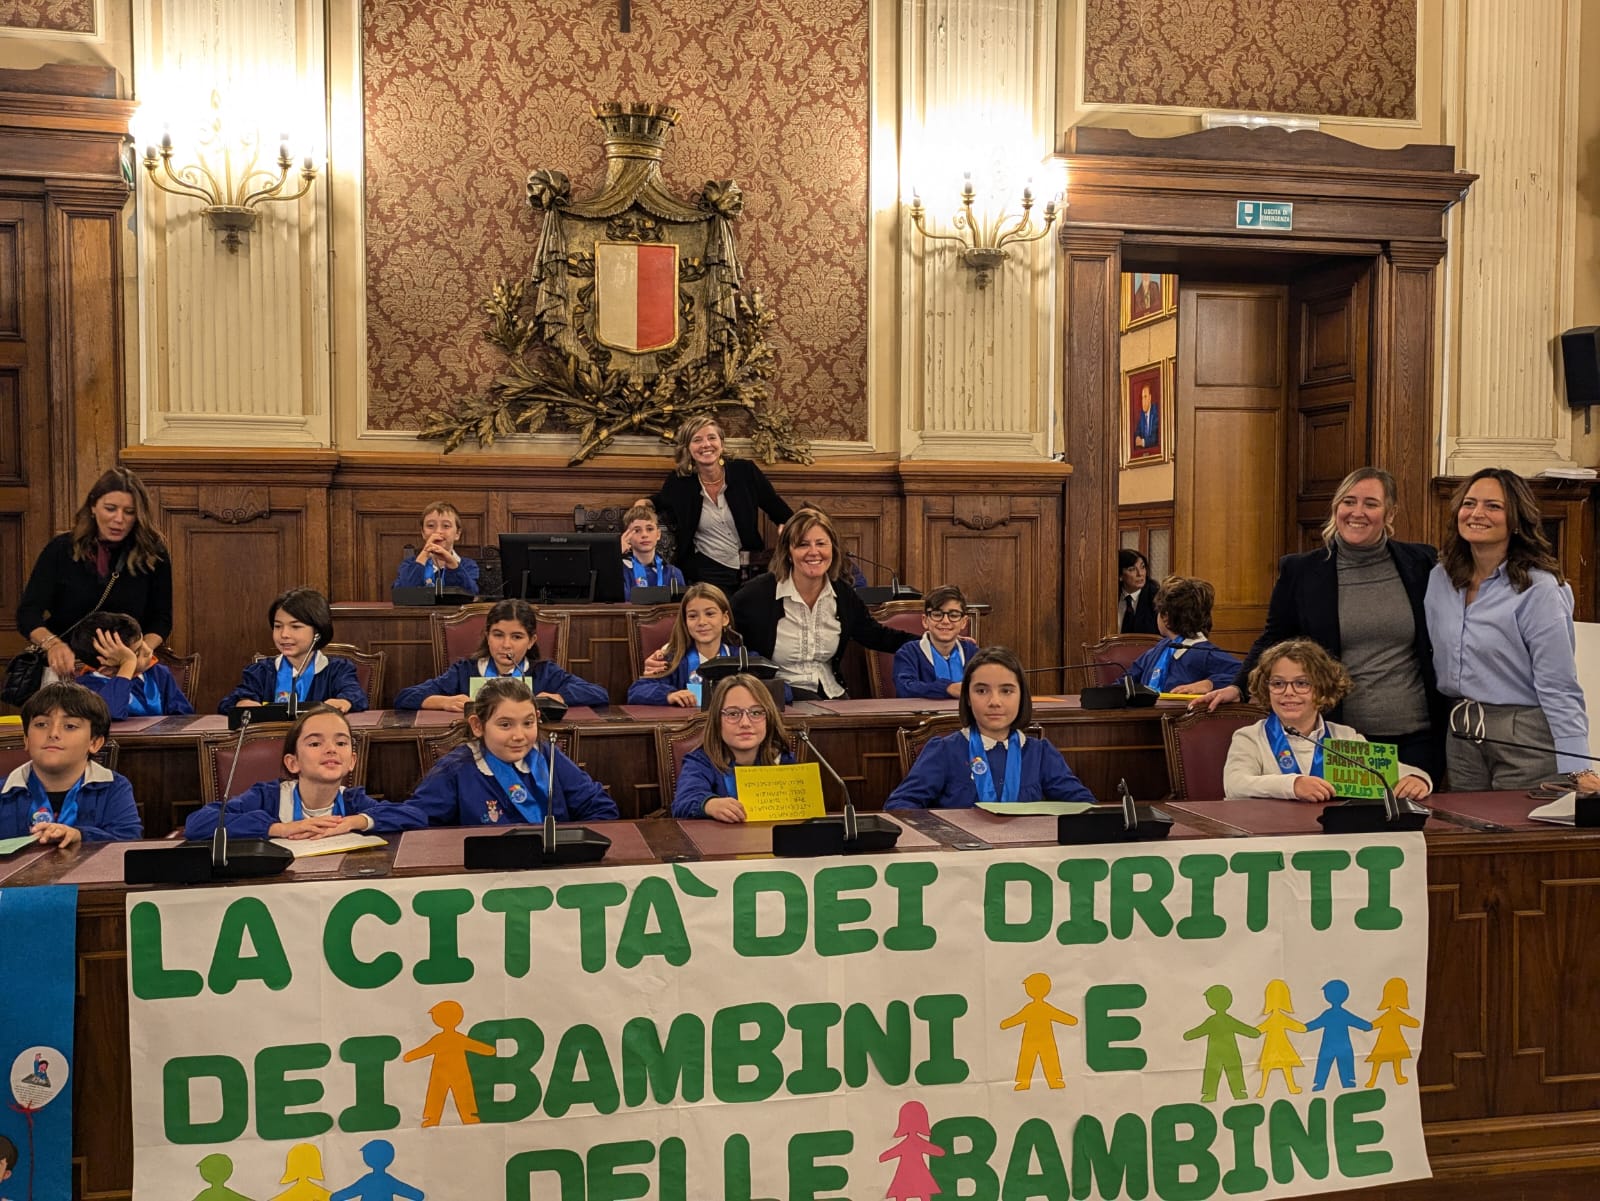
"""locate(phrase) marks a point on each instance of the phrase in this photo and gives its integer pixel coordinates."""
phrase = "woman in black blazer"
(1136, 594)
(1361, 599)
(802, 615)
(712, 503)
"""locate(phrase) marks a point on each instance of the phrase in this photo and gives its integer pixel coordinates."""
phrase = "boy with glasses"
(931, 668)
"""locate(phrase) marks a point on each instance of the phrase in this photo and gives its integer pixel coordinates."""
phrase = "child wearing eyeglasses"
(1280, 756)
(743, 729)
(931, 667)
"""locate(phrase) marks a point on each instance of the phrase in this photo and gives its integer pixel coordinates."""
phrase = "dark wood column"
(1403, 438)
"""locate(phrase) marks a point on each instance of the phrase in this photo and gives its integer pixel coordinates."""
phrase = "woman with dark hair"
(113, 558)
(1360, 599)
(712, 503)
(1136, 594)
(1501, 619)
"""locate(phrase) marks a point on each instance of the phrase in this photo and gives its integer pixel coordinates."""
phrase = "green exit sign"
(1263, 214)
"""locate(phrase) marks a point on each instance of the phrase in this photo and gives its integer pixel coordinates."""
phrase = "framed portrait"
(1147, 297)
(1147, 414)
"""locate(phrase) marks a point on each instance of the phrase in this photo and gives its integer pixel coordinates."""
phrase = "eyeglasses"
(756, 715)
(1298, 687)
(946, 616)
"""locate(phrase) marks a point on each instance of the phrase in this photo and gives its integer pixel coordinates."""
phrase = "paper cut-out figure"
(1336, 1022)
(215, 1170)
(1391, 1046)
(912, 1180)
(40, 1074)
(1222, 1032)
(449, 1075)
(1038, 1019)
(1278, 1053)
(302, 1172)
(378, 1184)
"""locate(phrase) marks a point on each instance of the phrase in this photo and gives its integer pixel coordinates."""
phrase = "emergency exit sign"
(1264, 214)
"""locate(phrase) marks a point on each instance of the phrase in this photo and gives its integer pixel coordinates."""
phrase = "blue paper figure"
(1336, 1022)
(378, 1185)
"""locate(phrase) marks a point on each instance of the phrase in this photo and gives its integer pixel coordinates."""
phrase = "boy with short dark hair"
(643, 568)
(931, 667)
(122, 672)
(61, 795)
(441, 528)
(1184, 660)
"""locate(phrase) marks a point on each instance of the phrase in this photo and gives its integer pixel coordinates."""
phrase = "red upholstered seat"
(1197, 748)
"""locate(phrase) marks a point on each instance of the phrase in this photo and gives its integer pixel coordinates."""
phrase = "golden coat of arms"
(635, 318)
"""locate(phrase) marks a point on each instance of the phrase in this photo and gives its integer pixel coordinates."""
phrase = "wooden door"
(25, 483)
(1230, 478)
(1330, 331)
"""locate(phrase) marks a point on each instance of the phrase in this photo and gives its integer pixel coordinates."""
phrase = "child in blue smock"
(642, 567)
(743, 729)
(122, 671)
(1184, 661)
(441, 527)
(313, 802)
(61, 795)
(931, 667)
(504, 775)
(989, 759)
(701, 632)
(510, 647)
(301, 622)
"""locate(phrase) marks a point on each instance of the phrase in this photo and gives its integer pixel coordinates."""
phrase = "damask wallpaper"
(57, 16)
(464, 97)
(1346, 58)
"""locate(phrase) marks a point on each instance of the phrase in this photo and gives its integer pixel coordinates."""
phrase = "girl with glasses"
(743, 729)
(931, 668)
(1281, 756)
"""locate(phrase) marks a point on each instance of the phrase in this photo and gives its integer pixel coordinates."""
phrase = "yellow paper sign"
(780, 793)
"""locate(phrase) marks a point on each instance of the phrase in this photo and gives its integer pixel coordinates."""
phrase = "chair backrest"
(14, 753)
(673, 744)
(1197, 748)
(369, 666)
(897, 615)
(910, 742)
(1116, 654)
(456, 634)
(648, 631)
(184, 668)
(436, 748)
(260, 755)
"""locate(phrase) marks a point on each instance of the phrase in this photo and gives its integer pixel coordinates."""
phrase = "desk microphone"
(1125, 693)
(895, 591)
(294, 679)
(1360, 817)
(1468, 722)
(847, 834)
(1125, 821)
(544, 845)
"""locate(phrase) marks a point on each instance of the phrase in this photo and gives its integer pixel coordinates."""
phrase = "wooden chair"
(897, 615)
(1197, 748)
(1113, 655)
(436, 748)
(13, 754)
(648, 631)
(184, 668)
(910, 743)
(260, 754)
(369, 665)
(456, 635)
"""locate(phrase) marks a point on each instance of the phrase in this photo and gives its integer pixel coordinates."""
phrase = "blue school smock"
(941, 778)
(913, 670)
(456, 791)
(106, 811)
(252, 813)
(670, 577)
(1198, 660)
(456, 579)
(333, 679)
(118, 692)
(699, 781)
(540, 675)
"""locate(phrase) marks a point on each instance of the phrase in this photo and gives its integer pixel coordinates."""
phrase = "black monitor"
(551, 568)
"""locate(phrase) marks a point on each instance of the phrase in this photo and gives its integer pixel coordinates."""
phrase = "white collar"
(928, 649)
(318, 662)
(286, 800)
(95, 773)
(990, 743)
(787, 590)
(483, 763)
(483, 668)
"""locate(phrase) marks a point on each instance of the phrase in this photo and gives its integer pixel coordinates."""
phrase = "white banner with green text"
(1194, 1019)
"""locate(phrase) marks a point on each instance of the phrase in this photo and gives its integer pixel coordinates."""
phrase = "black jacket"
(756, 611)
(1143, 618)
(67, 588)
(1305, 604)
(748, 490)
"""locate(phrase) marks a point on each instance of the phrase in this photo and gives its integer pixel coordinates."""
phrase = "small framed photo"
(1147, 414)
(1147, 298)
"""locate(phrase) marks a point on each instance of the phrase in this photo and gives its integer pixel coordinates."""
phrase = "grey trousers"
(1487, 767)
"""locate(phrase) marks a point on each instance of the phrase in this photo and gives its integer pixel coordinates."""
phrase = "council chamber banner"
(1191, 1019)
(38, 987)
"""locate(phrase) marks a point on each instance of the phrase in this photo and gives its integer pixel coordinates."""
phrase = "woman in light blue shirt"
(1500, 617)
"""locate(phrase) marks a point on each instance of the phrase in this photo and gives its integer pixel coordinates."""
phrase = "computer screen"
(576, 568)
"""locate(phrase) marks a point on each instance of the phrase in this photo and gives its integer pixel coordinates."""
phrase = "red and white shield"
(636, 295)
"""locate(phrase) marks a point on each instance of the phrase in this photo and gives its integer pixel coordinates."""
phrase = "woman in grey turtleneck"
(1361, 599)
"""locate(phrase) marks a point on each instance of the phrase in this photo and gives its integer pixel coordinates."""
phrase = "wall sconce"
(983, 248)
(228, 177)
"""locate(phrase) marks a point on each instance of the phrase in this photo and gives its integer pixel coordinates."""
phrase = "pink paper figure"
(912, 1180)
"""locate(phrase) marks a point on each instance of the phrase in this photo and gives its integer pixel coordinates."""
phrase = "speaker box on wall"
(1580, 355)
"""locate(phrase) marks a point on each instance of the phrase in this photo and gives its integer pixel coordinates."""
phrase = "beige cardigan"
(1252, 769)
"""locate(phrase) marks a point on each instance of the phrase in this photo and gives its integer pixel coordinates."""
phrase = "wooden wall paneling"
(24, 404)
(382, 523)
(1402, 437)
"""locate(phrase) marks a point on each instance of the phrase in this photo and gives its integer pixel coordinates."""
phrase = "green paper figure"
(1222, 1032)
(215, 1169)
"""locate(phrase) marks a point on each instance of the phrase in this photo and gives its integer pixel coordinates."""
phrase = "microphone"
(895, 591)
(847, 834)
(1357, 817)
(294, 679)
(1125, 821)
(545, 845)
(550, 807)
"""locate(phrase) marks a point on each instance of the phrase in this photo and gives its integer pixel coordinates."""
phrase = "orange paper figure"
(449, 1076)
(302, 1172)
(1391, 1046)
(1278, 1053)
(1038, 1019)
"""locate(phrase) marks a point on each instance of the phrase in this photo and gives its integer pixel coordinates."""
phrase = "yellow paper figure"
(1038, 1019)
(1278, 1053)
(302, 1168)
(449, 1076)
(1391, 1046)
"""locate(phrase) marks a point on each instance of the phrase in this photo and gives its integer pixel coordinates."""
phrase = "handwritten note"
(786, 792)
